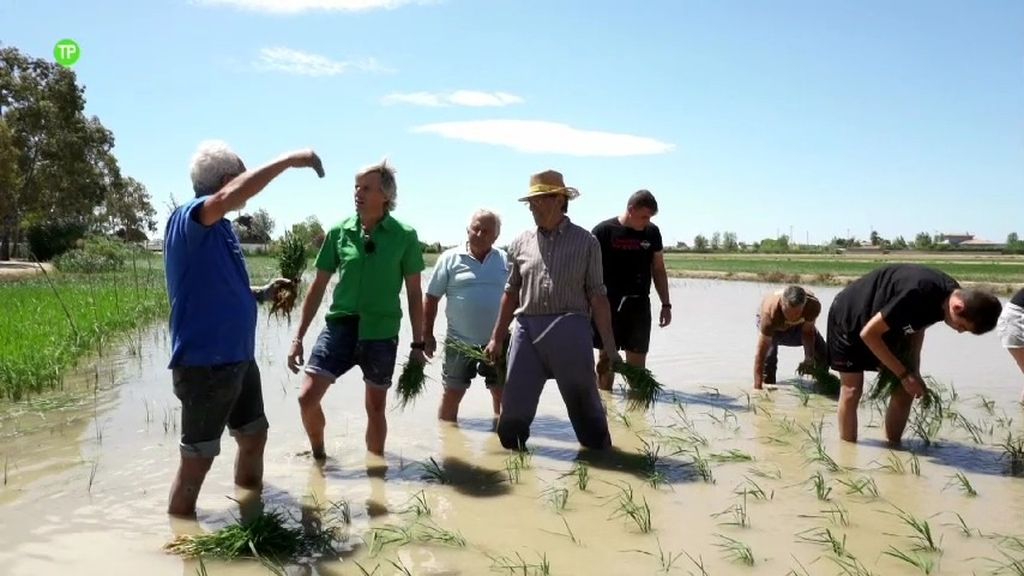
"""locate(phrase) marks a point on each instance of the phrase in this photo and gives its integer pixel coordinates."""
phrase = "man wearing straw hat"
(555, 287)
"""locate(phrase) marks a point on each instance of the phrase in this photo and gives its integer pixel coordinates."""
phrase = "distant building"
(969, 242)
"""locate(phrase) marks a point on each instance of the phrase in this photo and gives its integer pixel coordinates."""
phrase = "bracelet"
(904, 375)
(418, 345)
(668, 306)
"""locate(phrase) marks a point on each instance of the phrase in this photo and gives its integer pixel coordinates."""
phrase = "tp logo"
(66, 52)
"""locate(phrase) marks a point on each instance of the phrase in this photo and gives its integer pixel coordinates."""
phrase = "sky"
(791, 116)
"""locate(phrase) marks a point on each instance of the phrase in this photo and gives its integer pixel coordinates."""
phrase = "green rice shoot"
(827, 382)
(644, 388)
(477, 353)
(267, 535)
(410, 383)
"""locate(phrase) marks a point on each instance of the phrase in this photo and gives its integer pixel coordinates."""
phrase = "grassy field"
(827, 268)
(47, 328)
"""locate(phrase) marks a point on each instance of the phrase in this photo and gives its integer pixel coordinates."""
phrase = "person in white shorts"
(1011, 330)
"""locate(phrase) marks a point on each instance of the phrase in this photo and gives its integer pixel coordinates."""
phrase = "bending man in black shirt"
(631, 253)
(879, 321)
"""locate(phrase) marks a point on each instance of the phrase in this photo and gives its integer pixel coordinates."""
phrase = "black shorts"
(631, 324)
(213, 397)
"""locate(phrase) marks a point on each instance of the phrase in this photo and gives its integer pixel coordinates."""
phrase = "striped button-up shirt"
(555, 272)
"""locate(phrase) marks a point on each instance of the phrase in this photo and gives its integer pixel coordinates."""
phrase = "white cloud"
(540, 137)
(280, 59)
(297, 6)
(468, 98)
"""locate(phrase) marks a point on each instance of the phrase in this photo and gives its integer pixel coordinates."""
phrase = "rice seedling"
(650, 451)
(698, 563)
(755, 490)
(423, 532)
(863, 486)
(628, 507)
(987, 404)
(802, 395)
(557, 496)
(738, 513)
(644, 388)
(403, 570)
(962, 526)
(926, 422)
(410, 382)
(921, 531)
(972, 429)
(432, 471)
(6, 464)
(764, 472)
(850, 565)
(1004, 421)
(428, 532)
(291, 264)
(582, 474)
(915, 464)
(513, 469)
(656, 479)
(624, 418)
(520, 566)
(201, 569)
(820, 486)
(703, 467)
(364, 571)
(836, 513)
(666, 560)
(268, 535)
(1013, 452)
(735, 550)
(1008, 565)
(820, 456)
(827, 382)
(477, 353)
(824, 537)
(961, 482)
(795, 572)
(92, 473)
(892, 464)
(568, 532)
(714, 393)
(923, 563)
(731, 455)
(417, 506)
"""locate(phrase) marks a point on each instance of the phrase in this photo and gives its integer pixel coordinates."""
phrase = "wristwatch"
(418, 346)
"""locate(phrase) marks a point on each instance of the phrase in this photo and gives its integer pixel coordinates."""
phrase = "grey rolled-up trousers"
(559, 347)
(793, 336)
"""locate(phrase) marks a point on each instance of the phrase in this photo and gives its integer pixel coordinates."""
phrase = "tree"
(899, 244)
(10, 182)
(923, 241)
(254, 228)
(700, 243)
(876, 238)
(309, 231)
(127, 211)
(1012, 239)
(716, 241)
(729, 243)
(63, 158)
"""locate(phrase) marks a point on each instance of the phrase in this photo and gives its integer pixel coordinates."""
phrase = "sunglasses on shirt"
(369, 244)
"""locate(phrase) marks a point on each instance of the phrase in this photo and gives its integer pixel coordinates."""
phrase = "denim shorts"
(213, 397)
(459, 370)
(338, 349)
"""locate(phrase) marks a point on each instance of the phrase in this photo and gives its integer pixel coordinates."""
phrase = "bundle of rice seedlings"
(291, 264)
(266, 535)
(886, 383)
(477, 353)
(410, 382)
(827, 382)
(643, 387)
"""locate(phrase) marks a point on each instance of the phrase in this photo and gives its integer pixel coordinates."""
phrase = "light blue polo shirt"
(473, 289)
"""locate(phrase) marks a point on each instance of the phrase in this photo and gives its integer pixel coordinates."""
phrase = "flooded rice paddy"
(711, 479)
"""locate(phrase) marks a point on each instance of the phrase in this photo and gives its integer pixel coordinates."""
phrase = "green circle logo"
(67, 52)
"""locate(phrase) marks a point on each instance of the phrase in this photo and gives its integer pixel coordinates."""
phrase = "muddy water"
(86, 486)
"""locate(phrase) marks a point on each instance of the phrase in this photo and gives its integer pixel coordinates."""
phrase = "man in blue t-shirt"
(473, 278)
(213, 320)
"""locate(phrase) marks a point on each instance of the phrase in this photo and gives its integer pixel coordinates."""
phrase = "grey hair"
(212, 161)
(794, 296)
(485, 213)
(388, 185)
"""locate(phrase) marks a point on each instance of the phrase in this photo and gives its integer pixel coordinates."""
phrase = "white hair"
(388, 185)
(485, 213)
(212, 161)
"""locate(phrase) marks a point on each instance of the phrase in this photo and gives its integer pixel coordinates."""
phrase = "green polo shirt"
(369, 284)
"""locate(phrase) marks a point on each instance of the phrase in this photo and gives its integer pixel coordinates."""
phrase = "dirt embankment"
(1002, 288)
(14, 269)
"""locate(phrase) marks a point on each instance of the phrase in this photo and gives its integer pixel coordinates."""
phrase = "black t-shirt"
(627, 256)
(1018, 298)
(910, 298)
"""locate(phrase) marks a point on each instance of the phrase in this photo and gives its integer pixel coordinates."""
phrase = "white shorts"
(1011, 326)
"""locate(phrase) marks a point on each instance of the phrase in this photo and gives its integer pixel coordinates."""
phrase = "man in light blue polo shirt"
(473, 278)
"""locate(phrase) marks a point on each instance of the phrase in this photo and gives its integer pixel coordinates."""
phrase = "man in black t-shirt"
(631, 252)
(879, 321)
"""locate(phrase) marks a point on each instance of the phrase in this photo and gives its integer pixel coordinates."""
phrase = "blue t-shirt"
(213, 310)
(473, 289)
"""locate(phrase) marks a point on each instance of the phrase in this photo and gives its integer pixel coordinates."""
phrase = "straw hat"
(549, 182)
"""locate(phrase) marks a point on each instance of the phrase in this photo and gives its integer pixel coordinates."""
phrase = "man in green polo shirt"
(373, 254)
